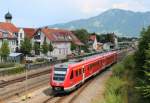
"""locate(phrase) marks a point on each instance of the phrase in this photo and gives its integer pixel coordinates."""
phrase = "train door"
(83, 74)
(103, 62)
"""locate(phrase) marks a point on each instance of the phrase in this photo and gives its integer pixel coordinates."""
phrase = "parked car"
(70, 56)
(51, 58)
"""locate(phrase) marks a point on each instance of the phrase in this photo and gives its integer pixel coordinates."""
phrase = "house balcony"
(37, 40)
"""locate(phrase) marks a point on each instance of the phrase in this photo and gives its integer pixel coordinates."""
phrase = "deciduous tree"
(45, 47)
(4, 51)
(50, 47)
(26, 46)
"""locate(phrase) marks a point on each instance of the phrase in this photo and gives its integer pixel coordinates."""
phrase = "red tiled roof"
(29, 32)
(60, 35)
(92, 37)
(9, 35)
(75, 40)
(8, 27)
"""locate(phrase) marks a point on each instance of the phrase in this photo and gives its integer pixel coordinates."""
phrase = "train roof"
(75, 62)
(93, 58)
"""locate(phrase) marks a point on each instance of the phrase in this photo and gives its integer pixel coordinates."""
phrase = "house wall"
(61, 49)
(106, 46)
(21, 36)
(12, 45)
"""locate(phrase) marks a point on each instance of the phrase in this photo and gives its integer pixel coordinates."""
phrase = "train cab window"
(71, 76)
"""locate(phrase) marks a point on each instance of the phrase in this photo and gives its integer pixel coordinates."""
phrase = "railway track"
(9, 82)
(71, 96)
(20, 90)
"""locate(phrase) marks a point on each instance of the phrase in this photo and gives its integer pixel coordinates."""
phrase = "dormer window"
(5, 35)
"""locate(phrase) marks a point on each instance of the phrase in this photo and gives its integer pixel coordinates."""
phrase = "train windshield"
(59, 74)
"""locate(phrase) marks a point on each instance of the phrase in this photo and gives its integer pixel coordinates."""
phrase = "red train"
(66, 77)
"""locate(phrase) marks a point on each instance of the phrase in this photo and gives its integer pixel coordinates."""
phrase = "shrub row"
(6, 65)
(14, 70)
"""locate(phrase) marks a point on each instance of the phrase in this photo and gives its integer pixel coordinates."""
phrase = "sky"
(37, 13)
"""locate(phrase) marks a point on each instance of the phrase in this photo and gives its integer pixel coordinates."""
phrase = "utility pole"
(26, 82)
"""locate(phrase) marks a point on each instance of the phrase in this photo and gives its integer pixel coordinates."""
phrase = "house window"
(5, 35)
(21, 41)
(20, 35)
(59, 51)
(64, 51)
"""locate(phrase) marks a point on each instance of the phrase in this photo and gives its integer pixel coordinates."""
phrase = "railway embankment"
(119, 87)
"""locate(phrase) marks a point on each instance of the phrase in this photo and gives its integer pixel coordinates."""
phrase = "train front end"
(57, 79)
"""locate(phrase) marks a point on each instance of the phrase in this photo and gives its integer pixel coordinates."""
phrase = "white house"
(25, 32)
(10, 38)
(8, 32)
(60, 40)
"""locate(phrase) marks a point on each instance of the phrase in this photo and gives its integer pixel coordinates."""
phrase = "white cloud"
(120, 5)
(130, 5)
(91, 6)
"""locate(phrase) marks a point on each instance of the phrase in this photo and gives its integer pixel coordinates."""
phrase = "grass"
(115, 90)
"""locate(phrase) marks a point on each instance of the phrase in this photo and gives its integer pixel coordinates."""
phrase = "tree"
(26, 46)
(140, 56)
(50, 47)
(142, 71)
(82, 35)
(73, 46)
(45, 47)
(145, 84)
(4, 51)
(36, 48)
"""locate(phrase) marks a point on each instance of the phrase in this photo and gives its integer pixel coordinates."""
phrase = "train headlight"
(57, 88)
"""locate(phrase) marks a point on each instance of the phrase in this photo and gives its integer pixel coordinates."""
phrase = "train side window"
(71, 76)
(80, 72)
(83, 70)
(88, 68)
(76, 73)
(100, 63)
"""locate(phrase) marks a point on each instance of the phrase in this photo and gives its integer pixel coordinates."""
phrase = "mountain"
(122, 22)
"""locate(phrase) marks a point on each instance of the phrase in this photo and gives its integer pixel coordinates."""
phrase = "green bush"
(115, 84)
(129, 63)
(113, 98)
(29, 61)
(16, 70)
(40, 59)
(118, 70)
(6, 65)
